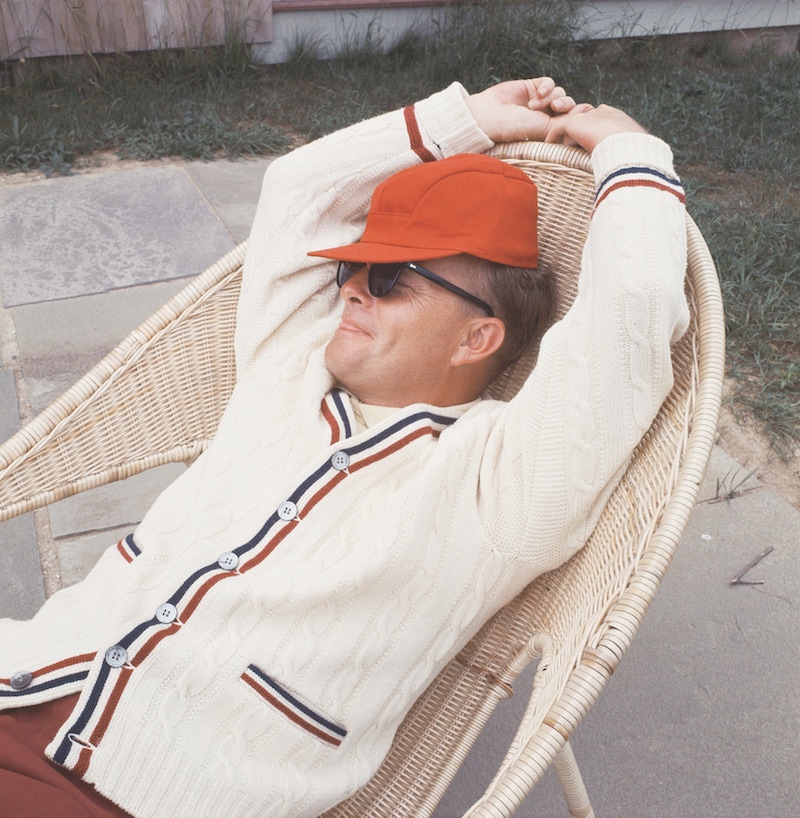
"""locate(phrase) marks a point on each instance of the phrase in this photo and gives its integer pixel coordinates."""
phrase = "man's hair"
(525, 300)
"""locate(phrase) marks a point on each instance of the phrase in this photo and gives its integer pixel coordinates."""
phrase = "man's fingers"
(539, 87)
(542, 92)
(562, 105)
(522, 109)
(588, 126)
(544, 95)
(559, 126)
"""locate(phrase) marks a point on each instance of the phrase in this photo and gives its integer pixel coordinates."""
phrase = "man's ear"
(481, 339)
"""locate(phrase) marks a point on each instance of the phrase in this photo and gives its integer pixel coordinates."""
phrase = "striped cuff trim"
(639, 177)
(128, 548)
(58, 675)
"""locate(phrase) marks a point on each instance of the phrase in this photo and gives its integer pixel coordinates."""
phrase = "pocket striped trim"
(292, 708)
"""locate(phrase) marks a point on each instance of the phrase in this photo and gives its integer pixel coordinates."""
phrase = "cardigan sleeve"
(560, 446)
(317, 197)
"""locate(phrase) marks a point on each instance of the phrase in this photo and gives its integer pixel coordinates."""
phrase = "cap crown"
(470, 203)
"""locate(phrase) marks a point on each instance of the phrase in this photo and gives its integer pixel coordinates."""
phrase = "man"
(361, 512)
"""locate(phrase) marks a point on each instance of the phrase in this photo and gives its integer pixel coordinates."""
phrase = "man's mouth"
(346, 325)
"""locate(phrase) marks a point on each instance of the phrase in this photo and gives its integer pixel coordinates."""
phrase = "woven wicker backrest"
(565, 187)
(158, 398)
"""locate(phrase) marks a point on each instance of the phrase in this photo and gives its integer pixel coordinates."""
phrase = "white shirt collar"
(368, 415)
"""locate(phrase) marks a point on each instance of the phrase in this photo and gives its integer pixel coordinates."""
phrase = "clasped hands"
(541, 111)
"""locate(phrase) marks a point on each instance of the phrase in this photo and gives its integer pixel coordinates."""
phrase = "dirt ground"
(752, 449)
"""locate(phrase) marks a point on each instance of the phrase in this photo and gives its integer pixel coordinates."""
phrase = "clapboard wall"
(44, 28)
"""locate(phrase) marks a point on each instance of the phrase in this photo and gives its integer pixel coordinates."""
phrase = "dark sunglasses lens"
(346, 270)
(382, 277)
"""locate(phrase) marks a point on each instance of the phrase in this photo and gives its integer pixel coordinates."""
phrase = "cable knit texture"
(286, 600)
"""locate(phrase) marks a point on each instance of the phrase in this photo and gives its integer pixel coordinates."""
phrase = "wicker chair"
(158, 396)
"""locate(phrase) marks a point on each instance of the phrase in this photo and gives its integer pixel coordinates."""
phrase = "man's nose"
(357, 287)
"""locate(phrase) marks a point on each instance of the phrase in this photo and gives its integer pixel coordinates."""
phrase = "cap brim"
(373, 253)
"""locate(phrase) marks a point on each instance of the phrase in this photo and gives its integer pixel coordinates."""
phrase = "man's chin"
(342, 367)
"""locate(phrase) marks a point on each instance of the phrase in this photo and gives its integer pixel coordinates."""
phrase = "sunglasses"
(382, 277)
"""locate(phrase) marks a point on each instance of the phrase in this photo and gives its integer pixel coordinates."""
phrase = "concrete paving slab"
(72, 236)
(698, 720)
(77, 555)
(89, 324)
(117, 505)
(21, 587)
(59, 341)
(9, 411)
(232, 189)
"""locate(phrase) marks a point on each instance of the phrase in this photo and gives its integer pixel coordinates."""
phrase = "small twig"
(722, 497)
(737, 580)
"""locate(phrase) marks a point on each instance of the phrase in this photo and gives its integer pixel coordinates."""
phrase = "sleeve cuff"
(447, 125)
(628, 149)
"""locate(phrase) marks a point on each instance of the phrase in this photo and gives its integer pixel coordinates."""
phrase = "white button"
(340, 461)
(228, 561)
(166, 613)
(287, 510)
(21, 679)
(116, 656)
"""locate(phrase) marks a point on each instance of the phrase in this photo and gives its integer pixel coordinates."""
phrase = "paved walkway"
(701, 719)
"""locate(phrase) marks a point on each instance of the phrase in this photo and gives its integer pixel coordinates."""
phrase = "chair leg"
(572, 784)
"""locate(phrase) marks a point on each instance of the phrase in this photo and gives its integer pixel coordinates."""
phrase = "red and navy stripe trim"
(128, 548)
(414, 135)
(338, 412)
(636, 176)
(50, 677)
(291, 707)
(88, 729)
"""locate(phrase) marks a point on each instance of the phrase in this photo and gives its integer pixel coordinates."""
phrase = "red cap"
(470, 203)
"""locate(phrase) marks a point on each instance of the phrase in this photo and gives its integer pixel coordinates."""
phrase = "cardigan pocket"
(298, 712)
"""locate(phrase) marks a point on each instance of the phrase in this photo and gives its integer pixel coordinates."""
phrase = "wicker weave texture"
(158, 397)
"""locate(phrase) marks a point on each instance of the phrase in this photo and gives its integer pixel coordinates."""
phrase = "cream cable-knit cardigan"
(251, 650)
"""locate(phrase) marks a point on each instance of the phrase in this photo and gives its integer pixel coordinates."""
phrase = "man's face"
(398, 349)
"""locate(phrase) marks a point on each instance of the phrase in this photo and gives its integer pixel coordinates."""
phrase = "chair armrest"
(155, 399)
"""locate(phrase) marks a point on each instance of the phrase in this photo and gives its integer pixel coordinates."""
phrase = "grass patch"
(191, 103)
(758, 255)
(732, 121)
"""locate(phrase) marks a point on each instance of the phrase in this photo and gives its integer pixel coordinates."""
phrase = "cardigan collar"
(347, 416)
